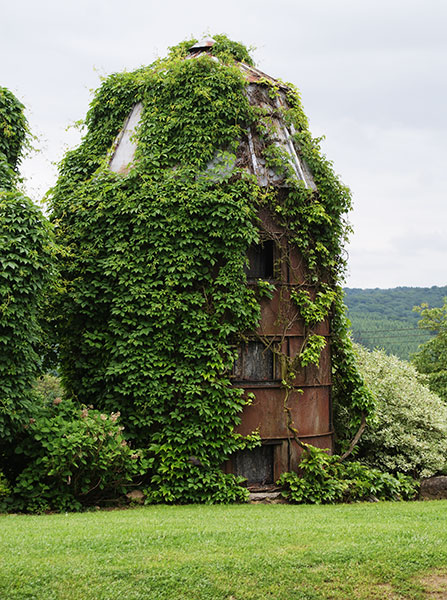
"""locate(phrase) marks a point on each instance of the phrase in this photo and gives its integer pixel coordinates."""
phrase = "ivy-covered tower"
(202, 234)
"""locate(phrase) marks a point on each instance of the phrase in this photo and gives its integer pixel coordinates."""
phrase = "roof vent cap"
(204, 44)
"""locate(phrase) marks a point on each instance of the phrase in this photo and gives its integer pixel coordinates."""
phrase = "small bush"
(323, 479)
(207, 486)
(72, 458)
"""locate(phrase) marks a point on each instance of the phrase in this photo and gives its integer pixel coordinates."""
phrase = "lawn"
(239, 552)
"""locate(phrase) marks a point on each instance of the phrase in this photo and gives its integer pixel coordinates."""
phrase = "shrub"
(410, 433)
(13, 134)
(323, 479)
(208, 486)
(71, 458)
(25, 269)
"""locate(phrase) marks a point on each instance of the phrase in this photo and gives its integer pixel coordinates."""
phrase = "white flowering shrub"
(410, 433)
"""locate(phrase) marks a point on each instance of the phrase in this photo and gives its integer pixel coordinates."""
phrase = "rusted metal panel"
(311, 374)
(254, 75)
(280, 316)
(284, 331)
(125, 145)
(268, 222)
(281, 459)
(297, 267)
(310, 412)
(295, 452)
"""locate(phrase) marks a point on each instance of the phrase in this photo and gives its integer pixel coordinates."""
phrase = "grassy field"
(281, 552)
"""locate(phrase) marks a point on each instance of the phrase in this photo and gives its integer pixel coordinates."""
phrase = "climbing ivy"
(25, 268)
(153, 300)
(13, 135)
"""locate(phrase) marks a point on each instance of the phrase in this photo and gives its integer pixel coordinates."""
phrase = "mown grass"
(281, 552)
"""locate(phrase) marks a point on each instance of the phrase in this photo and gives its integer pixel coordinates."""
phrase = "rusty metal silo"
(259, 369)
(281, 333)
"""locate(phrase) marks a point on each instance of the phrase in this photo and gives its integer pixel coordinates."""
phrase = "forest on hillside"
(384, 318)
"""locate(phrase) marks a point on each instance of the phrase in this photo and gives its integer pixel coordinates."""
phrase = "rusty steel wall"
(260, 370)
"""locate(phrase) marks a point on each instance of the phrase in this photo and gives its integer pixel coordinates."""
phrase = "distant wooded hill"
(384, 318)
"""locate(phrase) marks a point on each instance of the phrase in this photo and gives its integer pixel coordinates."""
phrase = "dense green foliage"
(153, 302)
(13, 133)
(431, 359)
(384, 318)
(324, 479)
(68, 458)
(26, 266)
(26, 252)
(362, 551)
(410, 432)
(351, 396)
(154, 273)
(25, 260)
(52, 455)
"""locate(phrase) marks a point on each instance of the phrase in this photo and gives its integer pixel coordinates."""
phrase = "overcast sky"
(373, 80)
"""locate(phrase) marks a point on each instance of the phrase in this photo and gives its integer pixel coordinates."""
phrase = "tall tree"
(431, 359)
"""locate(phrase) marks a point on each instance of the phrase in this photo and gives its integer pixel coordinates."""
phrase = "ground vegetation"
(367, 551)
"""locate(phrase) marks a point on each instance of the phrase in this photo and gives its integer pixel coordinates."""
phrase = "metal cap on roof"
(203, 45)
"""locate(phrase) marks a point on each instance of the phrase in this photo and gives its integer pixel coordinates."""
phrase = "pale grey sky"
(372, 76)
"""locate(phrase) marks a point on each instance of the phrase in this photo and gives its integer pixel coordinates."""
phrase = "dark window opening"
(255, 465)
(255, 362)
(261, 258)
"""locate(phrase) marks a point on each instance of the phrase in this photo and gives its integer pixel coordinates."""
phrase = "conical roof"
(251, 152)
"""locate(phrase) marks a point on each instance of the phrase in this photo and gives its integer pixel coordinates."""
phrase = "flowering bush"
(410, 433)
(72, 457)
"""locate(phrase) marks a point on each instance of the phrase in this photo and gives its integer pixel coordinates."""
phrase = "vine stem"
(355, 439)
(290, 426)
